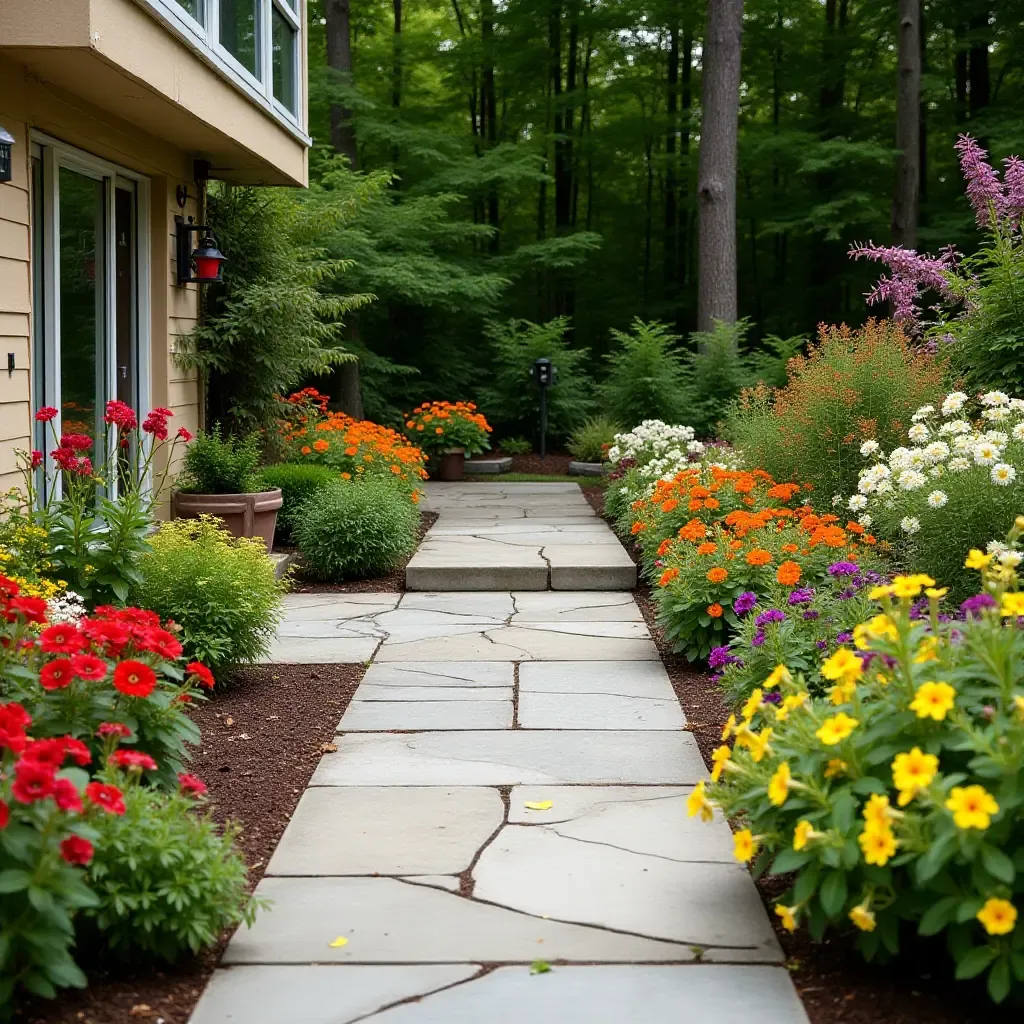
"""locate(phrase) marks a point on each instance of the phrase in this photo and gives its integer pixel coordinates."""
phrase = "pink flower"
(910, 275)
(983, 186)
(129, 759)
(113, 729)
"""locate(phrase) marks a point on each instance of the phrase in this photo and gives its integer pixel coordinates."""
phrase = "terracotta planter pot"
(243, 515)
(451, 464)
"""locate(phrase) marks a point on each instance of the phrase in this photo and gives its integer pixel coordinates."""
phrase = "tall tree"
(716, 177)
(908, 125)
(338, 28)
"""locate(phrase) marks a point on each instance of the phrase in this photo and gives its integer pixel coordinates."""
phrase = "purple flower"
(716, 677)
(772, 697)
(802, 595)
(744, 602)
(919, 609)
(720, 657)
(810, 615)
(758, 638)
(983, 187)
(910, 272)
(772, 615)
(842, 568)
(845, 595)
(844, 638)
(974, 605)
(820, 644)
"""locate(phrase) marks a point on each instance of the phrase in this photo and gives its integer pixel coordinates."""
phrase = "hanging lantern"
(208, 261)
(6, 141)
(205, 263)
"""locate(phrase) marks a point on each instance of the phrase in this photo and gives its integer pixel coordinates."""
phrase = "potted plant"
(220, 478)
(448, 432)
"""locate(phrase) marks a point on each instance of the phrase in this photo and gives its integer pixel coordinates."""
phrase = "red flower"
(120, 415)
(31, 609)
(134, 679)
(161, 411)
(32, 781)
(37, 458)
(46, 414)
(113, 729)
(156, 423)
(66, 796)
(5, 814)
(129, 759)
(111, 636)
(201, 672)
(110, 798)
(48, 753)
(61, 639)
(76, 750)
(8, 588)
(159, 641)
(66, 459)
(14, 720)
(55, 675)
(76, 850)
(88, 666)
(184, 434)
(77, 442)
(191, 784)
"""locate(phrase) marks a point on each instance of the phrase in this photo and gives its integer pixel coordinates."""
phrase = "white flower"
(922, 413)
(911, 480)
(1018, 432)
(918, 432)
(994, 547)
(864, 520)
(958, 464)
(883, 487)
(997, 413)
(857, 502)
(953, 403)
(1011, 559)
(837, 500)
(985, 453)
(937, 451)
(1003, 474)
(955, 427)
(995, 398)
(910, 524)
(65, 608)
(997, 437)
(900, 458)
(937, 499)
(869, 448)
(1017, 404)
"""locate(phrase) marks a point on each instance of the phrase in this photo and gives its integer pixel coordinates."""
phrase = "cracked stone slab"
(338, 606)
(387, 920)
(513, 757)
(590, 606)
(612, 994)
(597, 695)
(380, 715)
(450, 882)
(314, 994)
(285, 650)
(389, 831)
(493, 604)
(451, 678)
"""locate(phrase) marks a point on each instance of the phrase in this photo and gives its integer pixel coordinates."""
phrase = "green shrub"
(516, 446)
(356, 529)
(220, 589)
(297, 482)
(218, 464)
(168, 878)
(591, 441)
(853, 385)
(512, 400)
(647, 376)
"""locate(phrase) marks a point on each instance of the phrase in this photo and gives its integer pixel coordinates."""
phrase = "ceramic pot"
(451, 464)
(243, 515)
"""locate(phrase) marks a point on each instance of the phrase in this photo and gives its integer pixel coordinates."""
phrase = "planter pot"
(243, 515)
(451, 464)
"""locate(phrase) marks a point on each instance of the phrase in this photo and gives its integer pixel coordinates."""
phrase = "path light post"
(543, 374)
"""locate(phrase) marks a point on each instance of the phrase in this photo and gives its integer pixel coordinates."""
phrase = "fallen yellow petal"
(338, 942)
(539, 805)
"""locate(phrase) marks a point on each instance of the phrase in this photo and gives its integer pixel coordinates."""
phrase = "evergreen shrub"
(297, 482)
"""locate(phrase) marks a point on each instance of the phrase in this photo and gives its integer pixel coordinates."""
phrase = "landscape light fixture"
(543, 374)
(201, 265)
(6, 141)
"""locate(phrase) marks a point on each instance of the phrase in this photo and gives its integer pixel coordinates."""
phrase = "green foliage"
(220, 589)
(167, 877)
(647, 376)
(356, 528)
(511, 398)
(717, 374)
(297, 481)
(592, 439)
(516, 446)
(215, 463)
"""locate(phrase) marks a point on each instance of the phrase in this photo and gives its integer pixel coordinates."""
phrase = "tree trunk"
(489, 107)
(960, 72)
(908, 125)
(686, 107)
(671, 243)
(979, 84)
(716, 178)
(338, 29)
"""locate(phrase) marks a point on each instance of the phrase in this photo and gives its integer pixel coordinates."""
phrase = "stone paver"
(509, 784)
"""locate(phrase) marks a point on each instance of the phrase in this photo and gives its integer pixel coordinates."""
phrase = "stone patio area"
(508, 787)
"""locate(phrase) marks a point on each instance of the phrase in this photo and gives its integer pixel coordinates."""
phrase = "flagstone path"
(508, 787)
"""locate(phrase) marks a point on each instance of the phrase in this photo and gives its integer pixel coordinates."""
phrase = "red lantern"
(208, 259)
(201, 265)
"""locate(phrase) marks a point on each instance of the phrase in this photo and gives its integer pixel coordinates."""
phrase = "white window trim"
(56, 154)
(204, 41)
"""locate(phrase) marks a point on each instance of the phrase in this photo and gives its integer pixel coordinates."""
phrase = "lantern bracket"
(185, 230)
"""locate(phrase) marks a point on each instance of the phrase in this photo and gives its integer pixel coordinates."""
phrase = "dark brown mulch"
(262, 738)
(554, 463)
(392, 583)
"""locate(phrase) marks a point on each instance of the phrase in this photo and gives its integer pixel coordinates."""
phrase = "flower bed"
(439, 426)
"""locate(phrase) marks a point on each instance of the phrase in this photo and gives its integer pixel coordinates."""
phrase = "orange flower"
(438, 430)
(707, 548)
(790, 549)
(638, 528)
(321, 445)
(711, 503)
(694, 530)
(346, 476)
(664, 546)
(783, 491)
(758, 556)
(789, 573)
(667, 577)
(695, 505)
(670, 505)
(717, 574)
(305, 449)
(715, 610)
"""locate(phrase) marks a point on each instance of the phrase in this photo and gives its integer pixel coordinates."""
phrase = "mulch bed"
(392, 583)
(262, 739)
(553, 464)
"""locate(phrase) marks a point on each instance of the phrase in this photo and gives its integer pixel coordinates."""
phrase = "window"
(193, 8)
(285, 38)
(240, 33)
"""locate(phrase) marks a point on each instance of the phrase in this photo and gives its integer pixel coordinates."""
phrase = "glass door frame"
(46, 362)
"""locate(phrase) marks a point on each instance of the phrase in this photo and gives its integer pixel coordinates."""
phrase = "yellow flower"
(910, 586)
(752, 704)
(881, 627)
(863, 918)
(757, 743)
(803, 834)
(778, 787)
(790, 703)
(843, 666)
(927, 650)
(1018, 703)
(933, 700)
(719, 757)
(744, 846)
(972, 806)
(835, 729)
(878, 845)
(698, 803)
(977, 559)
(835, 767)
(842, 693)
(787, 915)
(936, 592)
(876, 811)
(877, 593)
(912, 772)
(1012, 606)
(997, 917)
(727, 729)
(779, 674)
